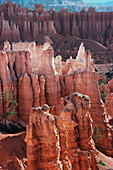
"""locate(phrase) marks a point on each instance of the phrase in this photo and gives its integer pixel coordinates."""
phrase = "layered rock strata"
(64, 141)
(33, 87)
(80, 76)
(24, 24)
(29, 85)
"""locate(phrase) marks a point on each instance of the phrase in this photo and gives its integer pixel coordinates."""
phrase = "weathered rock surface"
(64, 141)
(42, 63)
(82, 78)
(25, 98)
(11, 146)
(33, 87)
(27, 25)
(109, 104)
(110, 84)
(59, 136)
(30, 85)
(109, 99)
(17, 164)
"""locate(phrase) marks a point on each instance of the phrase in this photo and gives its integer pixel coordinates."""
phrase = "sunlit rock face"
(42, 84)
(29, 84)
(42, 63)
(60, 101)
(80, 76)
(64, 141)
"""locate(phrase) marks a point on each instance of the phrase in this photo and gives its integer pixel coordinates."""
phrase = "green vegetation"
(96, 133)
(101, 163)
(102, 85)
(103, 96)
(9, 107)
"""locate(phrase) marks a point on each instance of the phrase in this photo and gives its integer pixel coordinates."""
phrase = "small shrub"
(96, 133)
(8, 110)
(101, 163)
(43, 38)
(102, 84)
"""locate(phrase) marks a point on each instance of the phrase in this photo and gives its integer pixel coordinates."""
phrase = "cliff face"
(62, 150)
(30, 87)
(60, 128)
(79, 76)
(65, 28)
(23, 24)
(60, 101)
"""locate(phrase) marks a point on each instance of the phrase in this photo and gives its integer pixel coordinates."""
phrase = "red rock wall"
(87, 83)
(28, 25)
(43, 85)
(109, 104)
(64, 141)
(109, 99)
(27, 88)
(81, 77)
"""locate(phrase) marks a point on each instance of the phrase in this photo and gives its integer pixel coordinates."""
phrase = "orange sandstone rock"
(25, 97)
(109, 104)
(110, 83)
(64, 141)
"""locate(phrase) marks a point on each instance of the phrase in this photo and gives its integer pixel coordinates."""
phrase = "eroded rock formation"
(109, 99)
(64, 141)
(109, 104)
(33, 84)
(24, 24)
(81, 77)
(61, 124)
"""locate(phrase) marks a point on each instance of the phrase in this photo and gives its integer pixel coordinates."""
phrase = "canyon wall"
(23, 24)
(42, 84)
(60, 101)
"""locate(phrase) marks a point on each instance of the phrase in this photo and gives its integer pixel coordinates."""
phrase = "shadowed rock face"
(64, 141)
(109, 99)
(12, 146)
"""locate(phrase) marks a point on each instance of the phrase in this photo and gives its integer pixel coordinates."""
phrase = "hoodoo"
(65, 105)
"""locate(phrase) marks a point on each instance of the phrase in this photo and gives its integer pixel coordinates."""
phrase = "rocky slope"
(67, 46)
